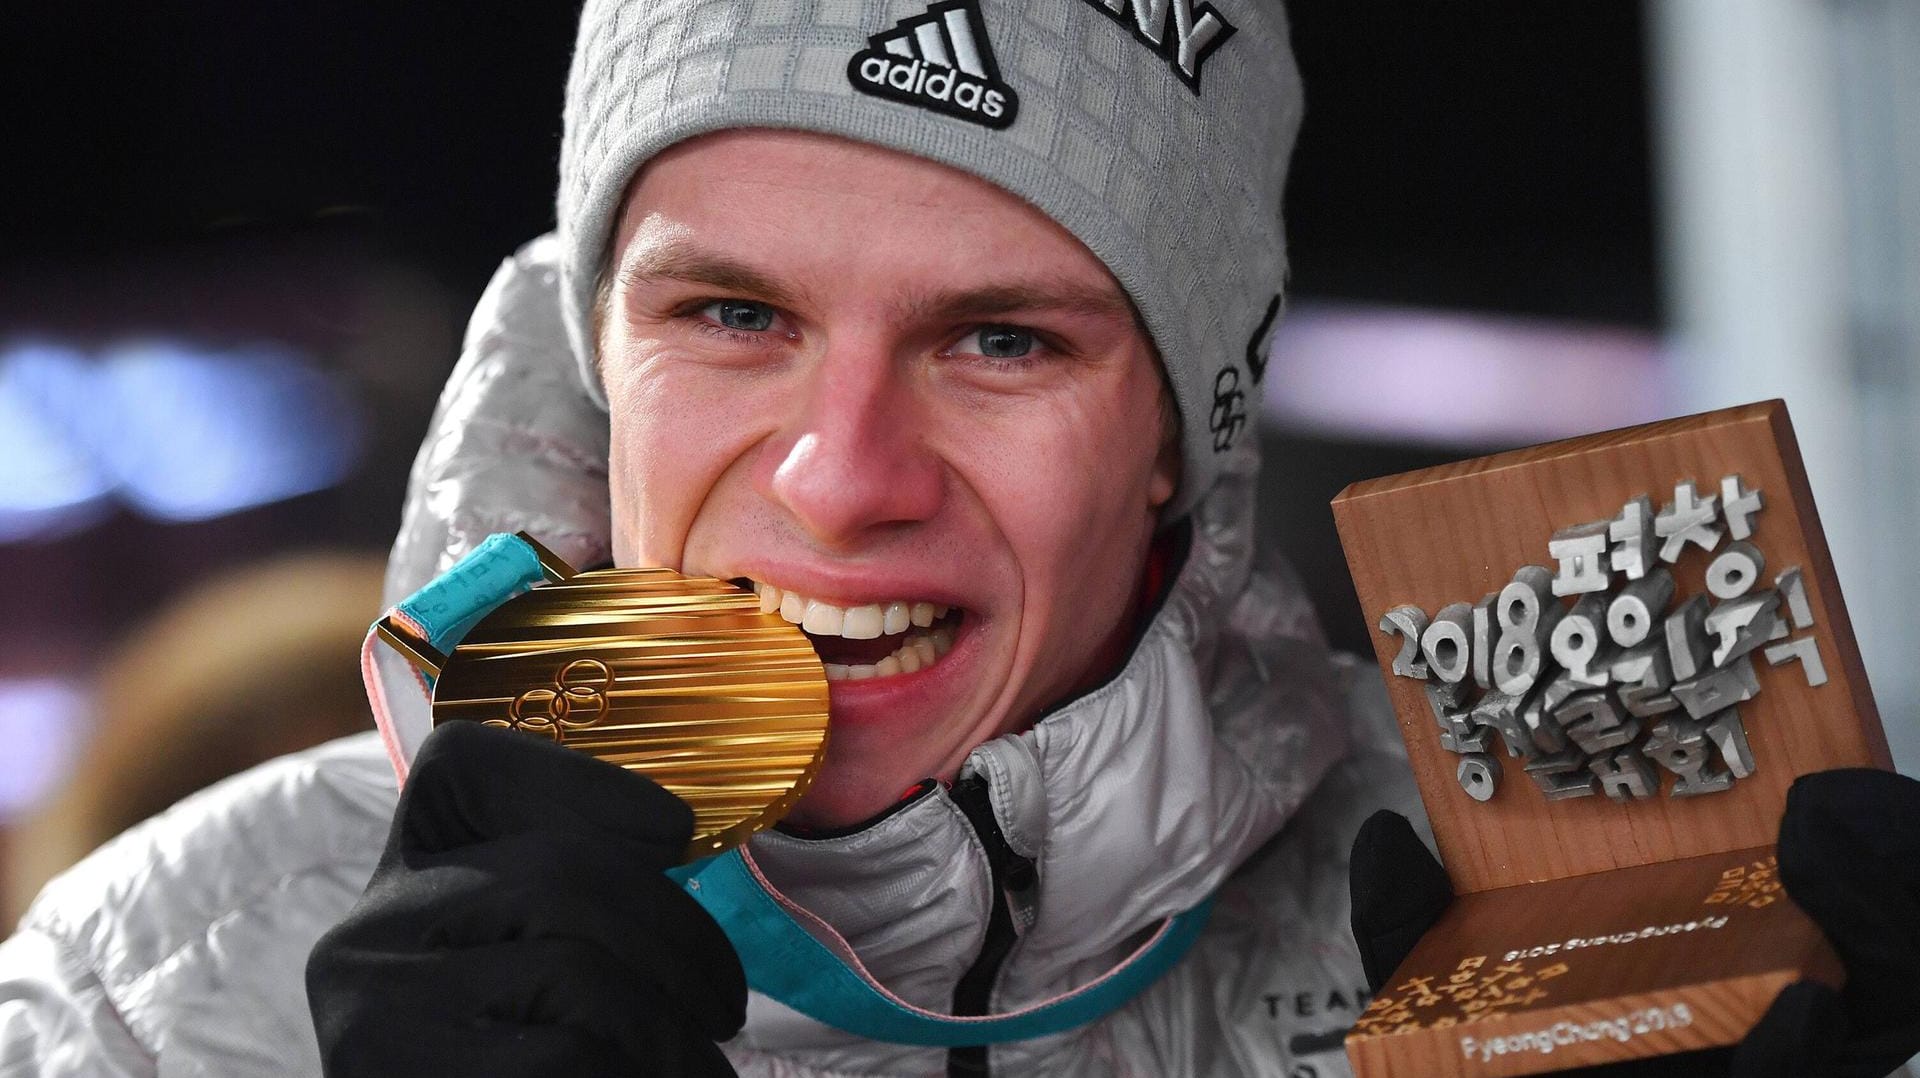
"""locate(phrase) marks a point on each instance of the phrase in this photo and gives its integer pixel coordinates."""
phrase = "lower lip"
(880, 699)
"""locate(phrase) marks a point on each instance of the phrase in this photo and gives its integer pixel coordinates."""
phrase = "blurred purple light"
(1458, 379)
(179, 433)
(42, 721)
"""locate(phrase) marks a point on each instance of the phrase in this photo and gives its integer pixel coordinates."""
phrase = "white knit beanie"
(1156, 131)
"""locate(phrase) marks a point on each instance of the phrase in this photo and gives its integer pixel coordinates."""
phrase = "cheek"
(673, 436)
(1069, 486)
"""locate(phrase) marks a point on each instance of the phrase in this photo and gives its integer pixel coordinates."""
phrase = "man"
(868, 344)
(939, 324)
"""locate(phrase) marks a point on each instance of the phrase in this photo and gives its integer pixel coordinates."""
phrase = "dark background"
(1491, 155)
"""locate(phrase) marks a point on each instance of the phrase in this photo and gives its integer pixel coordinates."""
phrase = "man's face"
(889, 394)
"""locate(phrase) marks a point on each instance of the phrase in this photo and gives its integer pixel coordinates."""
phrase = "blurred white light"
(1458, 379)
(178, 432)
(42, 723)
(199, 435)
(49, 483)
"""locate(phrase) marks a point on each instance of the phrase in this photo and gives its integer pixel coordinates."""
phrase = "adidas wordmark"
(941, 61)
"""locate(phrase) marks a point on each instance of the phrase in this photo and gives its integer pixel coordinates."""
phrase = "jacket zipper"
(1013, 879)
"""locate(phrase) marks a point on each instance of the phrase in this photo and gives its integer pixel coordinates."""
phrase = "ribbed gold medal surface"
(680, 678)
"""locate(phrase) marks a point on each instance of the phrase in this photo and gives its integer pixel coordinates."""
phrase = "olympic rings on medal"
(576, 699)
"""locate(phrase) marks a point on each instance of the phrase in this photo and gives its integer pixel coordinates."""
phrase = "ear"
(1165, 478)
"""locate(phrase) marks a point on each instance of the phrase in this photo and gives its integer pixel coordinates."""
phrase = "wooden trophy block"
(1609, 657)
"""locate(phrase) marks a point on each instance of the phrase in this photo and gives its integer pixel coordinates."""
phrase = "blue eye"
(740, 314)
(998, 342)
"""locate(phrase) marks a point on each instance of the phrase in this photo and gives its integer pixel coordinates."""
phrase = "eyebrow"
(675, 260)
(678, 261)
(990, 300)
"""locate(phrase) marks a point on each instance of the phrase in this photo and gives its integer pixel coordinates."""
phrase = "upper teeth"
(853, 622)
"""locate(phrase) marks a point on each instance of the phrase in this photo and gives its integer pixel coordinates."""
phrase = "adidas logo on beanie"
(1155, 131)
(941, 60)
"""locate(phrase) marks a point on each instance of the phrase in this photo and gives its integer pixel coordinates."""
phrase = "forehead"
(817, 204)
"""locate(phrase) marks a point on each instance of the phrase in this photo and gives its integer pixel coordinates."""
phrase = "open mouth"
(869, 641)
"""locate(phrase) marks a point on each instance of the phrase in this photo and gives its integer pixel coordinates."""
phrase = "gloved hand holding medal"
(545, 904)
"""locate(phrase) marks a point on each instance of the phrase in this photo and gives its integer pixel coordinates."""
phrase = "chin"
(837, 800)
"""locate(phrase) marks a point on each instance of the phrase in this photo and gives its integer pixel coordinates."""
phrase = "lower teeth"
(921, 650)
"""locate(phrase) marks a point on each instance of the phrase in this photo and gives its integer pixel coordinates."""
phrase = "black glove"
(519, 924)
(1849, 856)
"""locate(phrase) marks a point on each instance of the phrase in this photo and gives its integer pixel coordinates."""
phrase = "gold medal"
(680, 678)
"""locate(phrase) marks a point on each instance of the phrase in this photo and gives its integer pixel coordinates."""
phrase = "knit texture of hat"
(1155, 131)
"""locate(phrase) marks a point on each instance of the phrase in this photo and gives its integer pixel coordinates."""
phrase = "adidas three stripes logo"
(941, 60)
(943, 37)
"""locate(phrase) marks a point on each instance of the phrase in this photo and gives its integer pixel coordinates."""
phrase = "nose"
(855, 456)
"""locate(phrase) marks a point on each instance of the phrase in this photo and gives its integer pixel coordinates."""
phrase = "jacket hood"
(1135, 801)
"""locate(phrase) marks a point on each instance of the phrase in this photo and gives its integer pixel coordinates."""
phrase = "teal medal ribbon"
(787, 963)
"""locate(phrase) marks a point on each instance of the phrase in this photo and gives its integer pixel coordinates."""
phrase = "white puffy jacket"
(1232, 753)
